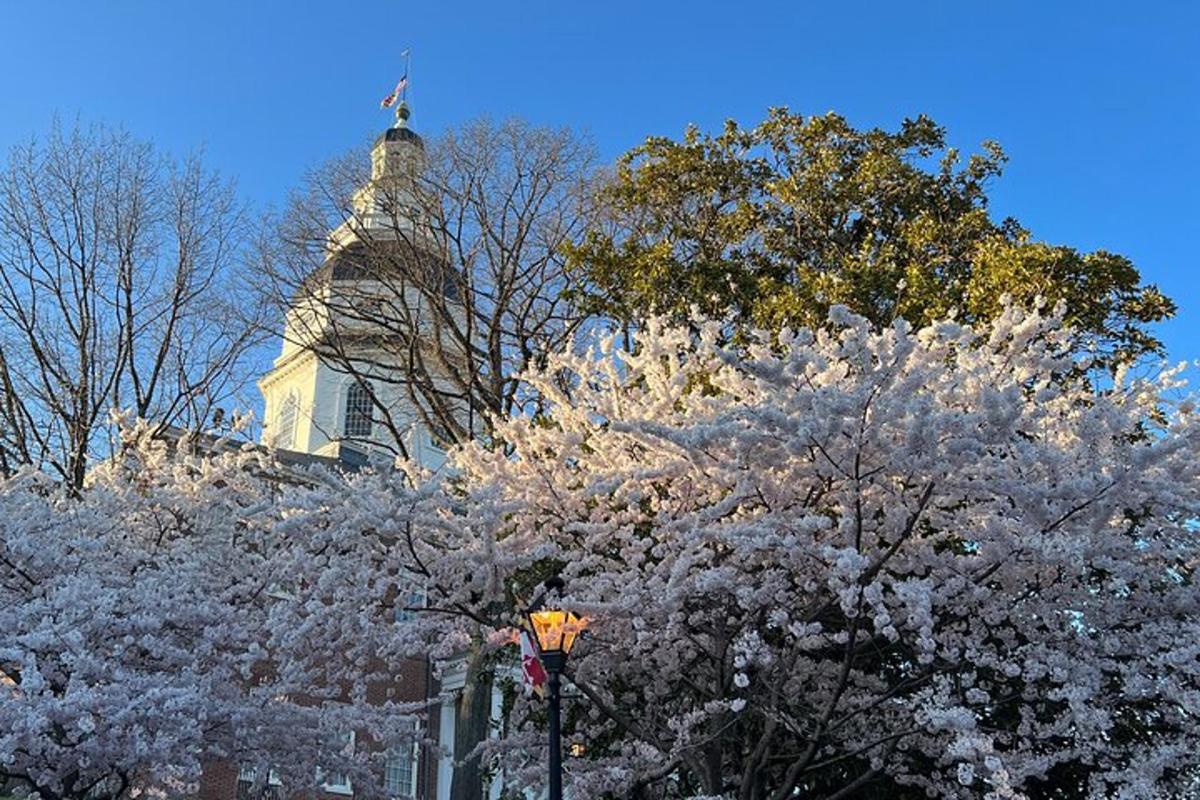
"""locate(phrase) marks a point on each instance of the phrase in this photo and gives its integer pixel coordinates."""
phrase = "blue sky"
(1097, 104)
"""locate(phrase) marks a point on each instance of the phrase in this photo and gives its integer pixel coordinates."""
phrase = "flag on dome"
(391, 99)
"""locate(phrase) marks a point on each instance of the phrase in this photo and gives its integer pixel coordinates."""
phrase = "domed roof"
(386, 260)
(400, 132)
(400, 135)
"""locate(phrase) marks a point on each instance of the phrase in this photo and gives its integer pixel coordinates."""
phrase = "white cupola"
(315, 404)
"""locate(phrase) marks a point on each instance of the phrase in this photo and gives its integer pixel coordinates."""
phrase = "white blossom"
(927, 547)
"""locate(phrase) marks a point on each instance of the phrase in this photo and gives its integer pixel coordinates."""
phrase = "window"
(357, 421)
(248, 774)
(339, 782)
(407, 603)
(245, 785)
(400, 773)
(398, 777)
(285, 431)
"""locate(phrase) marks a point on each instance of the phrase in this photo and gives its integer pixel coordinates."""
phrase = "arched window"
(285, 430)
(357, 421)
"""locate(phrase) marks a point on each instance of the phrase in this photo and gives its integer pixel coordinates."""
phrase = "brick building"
(415, 777)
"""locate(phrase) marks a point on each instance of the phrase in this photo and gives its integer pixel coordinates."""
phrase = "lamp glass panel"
(549, 626)
(574, 625)
(556, 630)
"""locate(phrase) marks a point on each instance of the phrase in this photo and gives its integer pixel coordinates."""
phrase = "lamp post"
(555, 631)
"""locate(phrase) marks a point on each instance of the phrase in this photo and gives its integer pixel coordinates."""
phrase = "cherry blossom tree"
(170, 614)
(838, 563)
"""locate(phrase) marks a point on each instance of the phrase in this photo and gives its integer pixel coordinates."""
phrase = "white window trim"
(346, 788)
(248, 774)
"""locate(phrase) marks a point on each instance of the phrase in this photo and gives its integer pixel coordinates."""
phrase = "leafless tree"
(443, 281)
(117, 268)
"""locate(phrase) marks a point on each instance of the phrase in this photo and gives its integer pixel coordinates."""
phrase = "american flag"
(391, 99)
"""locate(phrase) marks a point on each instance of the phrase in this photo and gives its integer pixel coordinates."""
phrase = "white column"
(497, 715)
(445, 769)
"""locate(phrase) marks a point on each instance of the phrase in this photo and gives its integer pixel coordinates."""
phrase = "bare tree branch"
(117, 290)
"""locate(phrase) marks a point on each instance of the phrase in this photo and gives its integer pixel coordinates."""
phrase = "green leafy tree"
(775, 224)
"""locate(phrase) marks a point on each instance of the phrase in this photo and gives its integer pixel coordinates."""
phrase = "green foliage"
(777, 223)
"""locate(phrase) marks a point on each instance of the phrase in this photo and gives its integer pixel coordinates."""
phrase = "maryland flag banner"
(533, 674)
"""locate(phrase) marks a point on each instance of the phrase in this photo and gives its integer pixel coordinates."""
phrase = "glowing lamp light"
(556, 630)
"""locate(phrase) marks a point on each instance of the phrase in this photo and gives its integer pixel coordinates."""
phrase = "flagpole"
(407, 72)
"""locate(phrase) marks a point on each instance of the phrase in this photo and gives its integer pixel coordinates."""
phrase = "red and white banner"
(533, 674)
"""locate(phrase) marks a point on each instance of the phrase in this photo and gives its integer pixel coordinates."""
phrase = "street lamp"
(555, 631)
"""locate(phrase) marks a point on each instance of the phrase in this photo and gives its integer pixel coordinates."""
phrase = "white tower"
(335, 381)
(315, 403)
